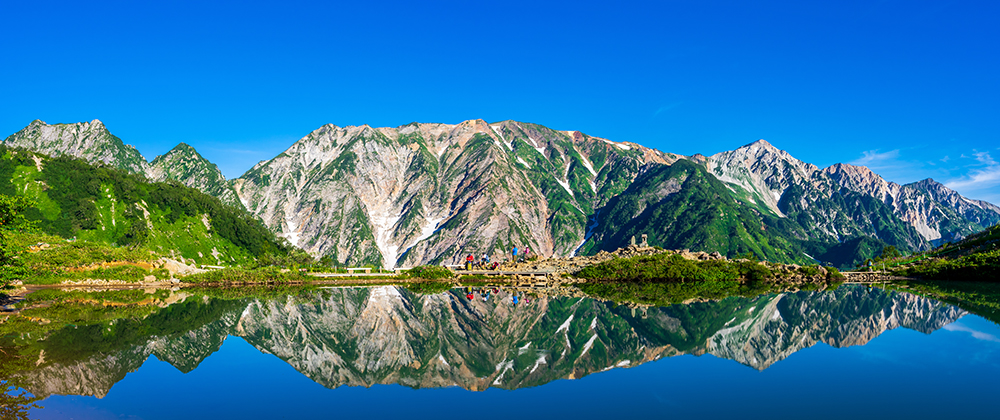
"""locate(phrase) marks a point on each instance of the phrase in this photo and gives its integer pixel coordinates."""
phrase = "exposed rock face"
(431, 193)
(93, 142)
(187, 166)
(428, 193)
(88, 140)
(844, 200)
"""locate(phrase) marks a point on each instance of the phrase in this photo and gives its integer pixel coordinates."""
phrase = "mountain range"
(430, 193)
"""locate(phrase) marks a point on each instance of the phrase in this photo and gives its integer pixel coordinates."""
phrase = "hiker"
(486, 259)
(513, 253)
(468, 262)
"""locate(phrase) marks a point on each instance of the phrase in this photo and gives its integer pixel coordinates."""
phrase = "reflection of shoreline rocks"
(387, 335)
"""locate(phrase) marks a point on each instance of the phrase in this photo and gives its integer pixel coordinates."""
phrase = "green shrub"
(430, 272)
(673, 267)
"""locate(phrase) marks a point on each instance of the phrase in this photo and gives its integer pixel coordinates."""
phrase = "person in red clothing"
(468, 262)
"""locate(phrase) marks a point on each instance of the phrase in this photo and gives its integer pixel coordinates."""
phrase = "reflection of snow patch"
(590, 343)
(522, 350)
(565, 186)
(565, 325)
(541, 360)
(505, 365)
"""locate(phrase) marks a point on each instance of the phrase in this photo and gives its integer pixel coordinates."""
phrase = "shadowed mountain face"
(387, 335)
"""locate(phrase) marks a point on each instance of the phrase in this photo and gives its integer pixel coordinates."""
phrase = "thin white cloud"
(873, 157)
(977, 179)
(980, 178)
(667, 107)
(985, 158)
(978, 335)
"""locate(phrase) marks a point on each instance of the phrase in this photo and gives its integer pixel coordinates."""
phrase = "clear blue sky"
(909, 88)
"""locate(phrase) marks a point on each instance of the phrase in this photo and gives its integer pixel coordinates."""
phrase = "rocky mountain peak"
(88, 140)
(861, 179)
(762, 170)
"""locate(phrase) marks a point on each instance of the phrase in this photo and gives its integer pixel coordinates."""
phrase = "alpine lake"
(855, 352)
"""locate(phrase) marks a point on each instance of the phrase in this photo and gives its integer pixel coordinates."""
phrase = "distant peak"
(762, 143)
(183, 146)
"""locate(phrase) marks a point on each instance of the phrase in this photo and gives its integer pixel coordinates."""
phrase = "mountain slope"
(77, 199)
(843, 201)
(90, 141)
(429, 192)
(187, 166)
(681, 206)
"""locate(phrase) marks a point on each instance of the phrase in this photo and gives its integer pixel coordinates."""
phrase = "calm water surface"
(850, 353)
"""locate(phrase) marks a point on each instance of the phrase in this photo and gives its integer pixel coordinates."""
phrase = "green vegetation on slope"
(104, 204)
(682, 206)
(977, 258)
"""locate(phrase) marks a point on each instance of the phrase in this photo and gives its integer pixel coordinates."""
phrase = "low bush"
(430, 272)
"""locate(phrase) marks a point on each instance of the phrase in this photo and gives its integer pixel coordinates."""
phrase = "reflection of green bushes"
(243, 275)
(668, 293)
(429, 287)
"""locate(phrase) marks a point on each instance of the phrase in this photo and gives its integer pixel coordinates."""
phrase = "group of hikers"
(485, 263)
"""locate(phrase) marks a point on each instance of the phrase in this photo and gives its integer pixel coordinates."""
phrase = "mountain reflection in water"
(387, 335)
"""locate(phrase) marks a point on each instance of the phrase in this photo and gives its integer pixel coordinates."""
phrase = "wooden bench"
(351, 270)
